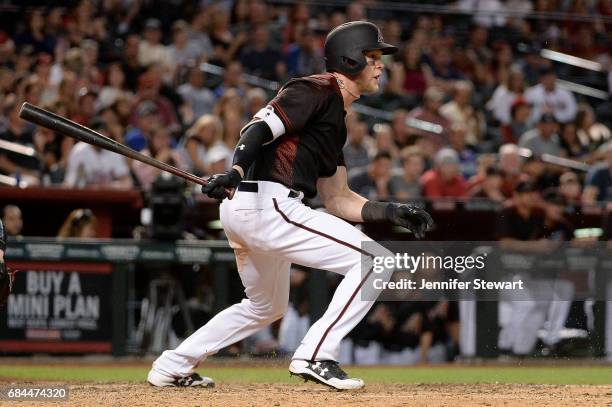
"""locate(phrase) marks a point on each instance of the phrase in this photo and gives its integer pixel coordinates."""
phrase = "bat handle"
(230, 193)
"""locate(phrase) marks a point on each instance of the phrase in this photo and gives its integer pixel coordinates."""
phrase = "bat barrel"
(79, 132)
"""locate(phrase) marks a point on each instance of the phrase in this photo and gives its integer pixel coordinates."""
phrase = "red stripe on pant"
(352, 297)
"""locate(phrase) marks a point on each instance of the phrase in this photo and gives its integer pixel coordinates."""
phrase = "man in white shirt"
(547, 96)
(151, 50)
(92, 166)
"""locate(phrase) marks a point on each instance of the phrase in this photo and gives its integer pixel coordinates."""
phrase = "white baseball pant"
(268, 231)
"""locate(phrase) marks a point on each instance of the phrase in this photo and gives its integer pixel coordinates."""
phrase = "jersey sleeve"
(291, 109)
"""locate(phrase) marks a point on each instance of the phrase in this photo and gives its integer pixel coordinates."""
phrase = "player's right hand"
(221, 186)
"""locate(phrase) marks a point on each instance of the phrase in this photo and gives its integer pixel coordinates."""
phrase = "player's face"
(368, 79)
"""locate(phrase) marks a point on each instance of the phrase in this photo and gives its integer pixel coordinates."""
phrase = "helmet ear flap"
(350, 63)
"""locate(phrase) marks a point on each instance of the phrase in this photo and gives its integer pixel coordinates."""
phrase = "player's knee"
(280, 311)
(266, 312)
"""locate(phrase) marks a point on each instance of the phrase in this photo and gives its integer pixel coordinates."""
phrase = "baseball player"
(292, 148)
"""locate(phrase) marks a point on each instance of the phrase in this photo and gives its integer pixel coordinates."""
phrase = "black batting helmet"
(345, 45)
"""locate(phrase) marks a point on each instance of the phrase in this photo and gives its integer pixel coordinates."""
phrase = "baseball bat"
(555, 160)
(79, 132)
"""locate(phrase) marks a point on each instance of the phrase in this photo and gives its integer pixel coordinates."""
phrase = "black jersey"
(307, 121)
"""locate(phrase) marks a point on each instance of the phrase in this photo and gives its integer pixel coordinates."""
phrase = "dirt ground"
(229, 395)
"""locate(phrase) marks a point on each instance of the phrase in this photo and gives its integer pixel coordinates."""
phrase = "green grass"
(601, 375)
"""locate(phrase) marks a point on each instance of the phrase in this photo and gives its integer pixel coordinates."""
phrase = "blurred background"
(495, 115)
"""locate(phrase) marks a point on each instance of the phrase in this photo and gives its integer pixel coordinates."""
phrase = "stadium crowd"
(467, 108)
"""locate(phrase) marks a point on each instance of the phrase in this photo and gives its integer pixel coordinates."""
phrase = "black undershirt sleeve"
(249, 145)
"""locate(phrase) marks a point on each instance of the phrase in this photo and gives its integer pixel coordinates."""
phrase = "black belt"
(253, 187)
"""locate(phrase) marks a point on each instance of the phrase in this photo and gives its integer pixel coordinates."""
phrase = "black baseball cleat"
(193, 380)
(326, 372)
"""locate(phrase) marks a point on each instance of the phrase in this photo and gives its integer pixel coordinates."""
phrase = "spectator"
(444, 180)
(232, 79)
(415, 79)
(80, 223)
(200, 138)
(491, 186)
(17, 131)
(146, 120)
(150, 50)
(520, 113)
(149, 85)
(232, 124)
(467, 154)
(86, 103)
(546, 96)
(92, 166)
(505, 96)
(260, 59)
(570, 188)
(35, 34)
(556, 226)
(590, 133)
(197, 35)
(406, 185)
(477, 50)
(459, 110)
(373, 181)
(160, 148)
(13, 220)
(598, 184)
(427, 115)
(510, 162)
(114, 87)
(256, 100)
(571, 145)
(544, 139)
(383, 140)
(230, 104)
(356, 151)
(182, 52)
(129, 61)
(225, 44)
(485, 13)
(442, 67)
(201, 100)
(401, 131)
(304, 57)
(50, 150)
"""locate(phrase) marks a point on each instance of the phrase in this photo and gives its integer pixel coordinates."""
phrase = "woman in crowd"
(504, 96)
(205, 133)
(590, 133)
(80, 223)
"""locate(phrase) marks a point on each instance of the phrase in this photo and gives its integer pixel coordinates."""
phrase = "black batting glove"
(221, 186)
(413, 218)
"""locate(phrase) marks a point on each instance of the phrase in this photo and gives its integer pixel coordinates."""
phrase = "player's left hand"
(221, 186)
(413, 218)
